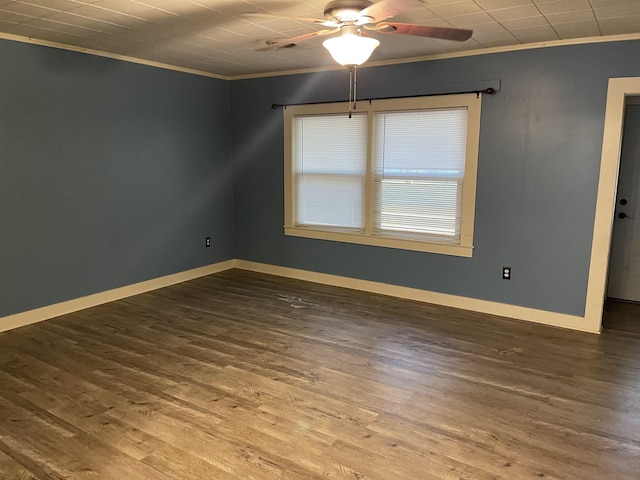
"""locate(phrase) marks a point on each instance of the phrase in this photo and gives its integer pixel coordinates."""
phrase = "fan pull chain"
(353, 84)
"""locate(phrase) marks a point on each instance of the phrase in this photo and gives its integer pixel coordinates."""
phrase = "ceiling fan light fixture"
(350, 48)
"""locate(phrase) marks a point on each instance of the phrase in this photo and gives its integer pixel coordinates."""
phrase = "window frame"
(464, 248)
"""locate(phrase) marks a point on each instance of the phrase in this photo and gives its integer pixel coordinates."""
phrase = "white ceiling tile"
(570, 17)
(184, 7)
(255, 31)
(499, 42)
(159, 3)
(431, 3)
(62, 5)
(160, 17)
(66, 38)
(29, 9)
(71, 18)
(515, 13)
(22, 29)
(578, 29)
(145, 36)
(492, 35)
(610, 3)
(101, 14)
(54, 25)
(617, 11)
(619, 25)
(123, 6)
(527, 22)
(561, 6)
(470, 20)
(463, 7)
(106, 45)
(421, 16)
(14, 17)
(300, 9)
(282, 25)
(236, 8)
(489, 28)
(434, 22)
(224, 35)
(542, 33)
(498, 4)
(199, 40)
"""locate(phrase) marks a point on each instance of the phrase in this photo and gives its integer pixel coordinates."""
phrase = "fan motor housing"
(345, 10)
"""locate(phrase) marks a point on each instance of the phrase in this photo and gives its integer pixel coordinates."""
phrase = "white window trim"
(464, 248)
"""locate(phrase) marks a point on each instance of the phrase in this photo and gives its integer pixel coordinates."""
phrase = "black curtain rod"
(488, 91)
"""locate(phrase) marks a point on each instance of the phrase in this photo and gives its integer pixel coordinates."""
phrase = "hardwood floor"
(246, 376)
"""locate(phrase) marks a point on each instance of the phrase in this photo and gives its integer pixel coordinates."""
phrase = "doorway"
(624, 267)
(618, 91)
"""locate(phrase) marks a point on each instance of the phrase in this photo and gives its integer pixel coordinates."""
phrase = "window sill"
(399, 243)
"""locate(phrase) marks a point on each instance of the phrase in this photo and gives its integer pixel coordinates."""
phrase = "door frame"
(618, 90)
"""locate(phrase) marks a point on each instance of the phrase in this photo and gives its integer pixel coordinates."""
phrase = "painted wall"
(111, 173)
(540, 147)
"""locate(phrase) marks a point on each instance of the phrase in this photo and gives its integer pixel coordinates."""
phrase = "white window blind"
(330, 163)
(419, 162)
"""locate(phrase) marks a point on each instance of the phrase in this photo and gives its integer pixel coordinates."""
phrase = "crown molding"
(280, 73)
(115, 56)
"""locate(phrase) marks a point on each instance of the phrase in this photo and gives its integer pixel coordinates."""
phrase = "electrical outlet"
(506, 273)
(207, 242)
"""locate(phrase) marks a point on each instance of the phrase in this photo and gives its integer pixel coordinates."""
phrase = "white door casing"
(624, 268)
(619, 89)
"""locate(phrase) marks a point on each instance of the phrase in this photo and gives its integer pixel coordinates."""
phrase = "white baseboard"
(572, 322)
(63, 308)
(562, 320)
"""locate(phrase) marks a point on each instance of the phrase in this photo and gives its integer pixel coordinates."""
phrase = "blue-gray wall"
(540, 146)
(111, 173)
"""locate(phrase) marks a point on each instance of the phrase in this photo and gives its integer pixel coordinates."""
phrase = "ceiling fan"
(351, 17)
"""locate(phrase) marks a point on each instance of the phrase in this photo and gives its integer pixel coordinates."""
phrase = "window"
(399, 173)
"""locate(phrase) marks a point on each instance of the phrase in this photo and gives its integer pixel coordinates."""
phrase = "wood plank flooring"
(246, 376)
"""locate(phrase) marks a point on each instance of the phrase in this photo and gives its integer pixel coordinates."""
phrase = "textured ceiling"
(210, 36)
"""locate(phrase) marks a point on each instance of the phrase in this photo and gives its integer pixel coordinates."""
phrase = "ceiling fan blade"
(385, 9)
(280, 43)
(326, 23)
(457, 34)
